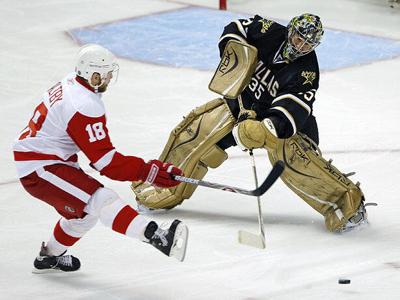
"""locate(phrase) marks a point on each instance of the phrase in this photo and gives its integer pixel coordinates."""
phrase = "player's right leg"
(117, 215)
(82, 200)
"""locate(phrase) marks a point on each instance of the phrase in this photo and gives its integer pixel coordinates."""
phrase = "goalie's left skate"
(360, 218)
(172, 241)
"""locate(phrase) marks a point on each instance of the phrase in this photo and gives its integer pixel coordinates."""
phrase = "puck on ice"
(344, 281)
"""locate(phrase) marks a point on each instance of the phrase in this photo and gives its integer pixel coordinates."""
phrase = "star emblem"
(309, 76)
(266, 24)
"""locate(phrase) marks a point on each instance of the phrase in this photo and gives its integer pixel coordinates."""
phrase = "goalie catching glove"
(253, 134)
(157, 173)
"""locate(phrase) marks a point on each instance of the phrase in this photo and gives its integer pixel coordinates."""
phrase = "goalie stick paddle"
(249, 238)
(273, 175)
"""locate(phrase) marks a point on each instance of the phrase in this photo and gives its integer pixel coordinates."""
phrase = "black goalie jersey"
(281, 90)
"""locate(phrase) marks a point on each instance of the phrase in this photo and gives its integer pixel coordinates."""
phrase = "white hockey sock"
(114, 213)
(55, 248)
(67, 232)
(122, 218)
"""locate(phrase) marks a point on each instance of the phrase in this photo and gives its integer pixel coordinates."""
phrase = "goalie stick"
(249, 238)
(273, 175)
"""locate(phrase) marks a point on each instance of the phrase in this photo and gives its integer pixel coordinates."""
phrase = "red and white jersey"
(71, 118)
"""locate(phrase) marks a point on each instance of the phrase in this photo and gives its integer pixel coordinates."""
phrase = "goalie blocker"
(235, 69)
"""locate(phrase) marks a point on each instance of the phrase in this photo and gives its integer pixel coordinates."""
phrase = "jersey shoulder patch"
(309, 77)
(307, 71)
(266, 25)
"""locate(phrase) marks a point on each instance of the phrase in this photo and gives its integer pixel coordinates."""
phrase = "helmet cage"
(105, 72)
(309, 29)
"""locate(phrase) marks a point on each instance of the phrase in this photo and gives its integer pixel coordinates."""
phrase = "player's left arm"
(292, 107)
(290, 111)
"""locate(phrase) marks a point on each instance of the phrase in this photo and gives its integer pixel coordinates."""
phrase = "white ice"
(357, 111)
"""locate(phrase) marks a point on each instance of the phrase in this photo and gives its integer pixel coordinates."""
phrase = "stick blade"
(251, 239)
(179, 244)
(273, 176)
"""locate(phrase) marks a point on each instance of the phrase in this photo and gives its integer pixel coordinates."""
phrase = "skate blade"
(50, 271)
(251, 239)
(360, 226)
(178, 249)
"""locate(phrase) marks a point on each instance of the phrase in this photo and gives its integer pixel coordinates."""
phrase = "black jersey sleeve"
(245, 30)
(236, 30)
(294, 104)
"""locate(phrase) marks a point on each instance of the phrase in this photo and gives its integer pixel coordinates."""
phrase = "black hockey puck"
(344, 281)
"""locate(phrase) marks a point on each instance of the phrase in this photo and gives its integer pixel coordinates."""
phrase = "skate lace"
(160, 234)
(64, 260)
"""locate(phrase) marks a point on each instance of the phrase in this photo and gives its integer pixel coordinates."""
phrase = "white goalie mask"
(92, 59)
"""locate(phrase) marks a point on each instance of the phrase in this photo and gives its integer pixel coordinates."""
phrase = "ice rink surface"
(357, 109)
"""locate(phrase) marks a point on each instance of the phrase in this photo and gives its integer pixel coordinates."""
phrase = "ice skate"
(172, 241)
(359, 220)
(45, 263)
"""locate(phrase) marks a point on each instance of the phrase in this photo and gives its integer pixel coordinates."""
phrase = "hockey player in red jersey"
(70, 118)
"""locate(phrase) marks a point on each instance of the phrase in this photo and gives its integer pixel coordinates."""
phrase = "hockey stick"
(273, 175)
(248, 238)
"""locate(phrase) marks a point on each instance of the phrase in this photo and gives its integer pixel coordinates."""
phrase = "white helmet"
(93, 58)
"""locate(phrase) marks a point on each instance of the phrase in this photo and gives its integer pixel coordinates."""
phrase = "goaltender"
(268, 77)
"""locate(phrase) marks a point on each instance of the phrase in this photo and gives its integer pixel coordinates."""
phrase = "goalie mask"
(93, 59)
(304, 35)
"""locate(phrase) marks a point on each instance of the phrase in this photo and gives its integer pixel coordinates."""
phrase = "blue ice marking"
(189, 38)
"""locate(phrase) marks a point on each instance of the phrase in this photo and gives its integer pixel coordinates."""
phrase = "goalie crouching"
(268, 77)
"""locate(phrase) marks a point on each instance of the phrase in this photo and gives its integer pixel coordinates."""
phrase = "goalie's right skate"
(172, 241)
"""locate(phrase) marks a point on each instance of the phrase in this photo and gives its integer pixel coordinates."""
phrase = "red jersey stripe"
(62, 237)
(23, 156)
(123, 219)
